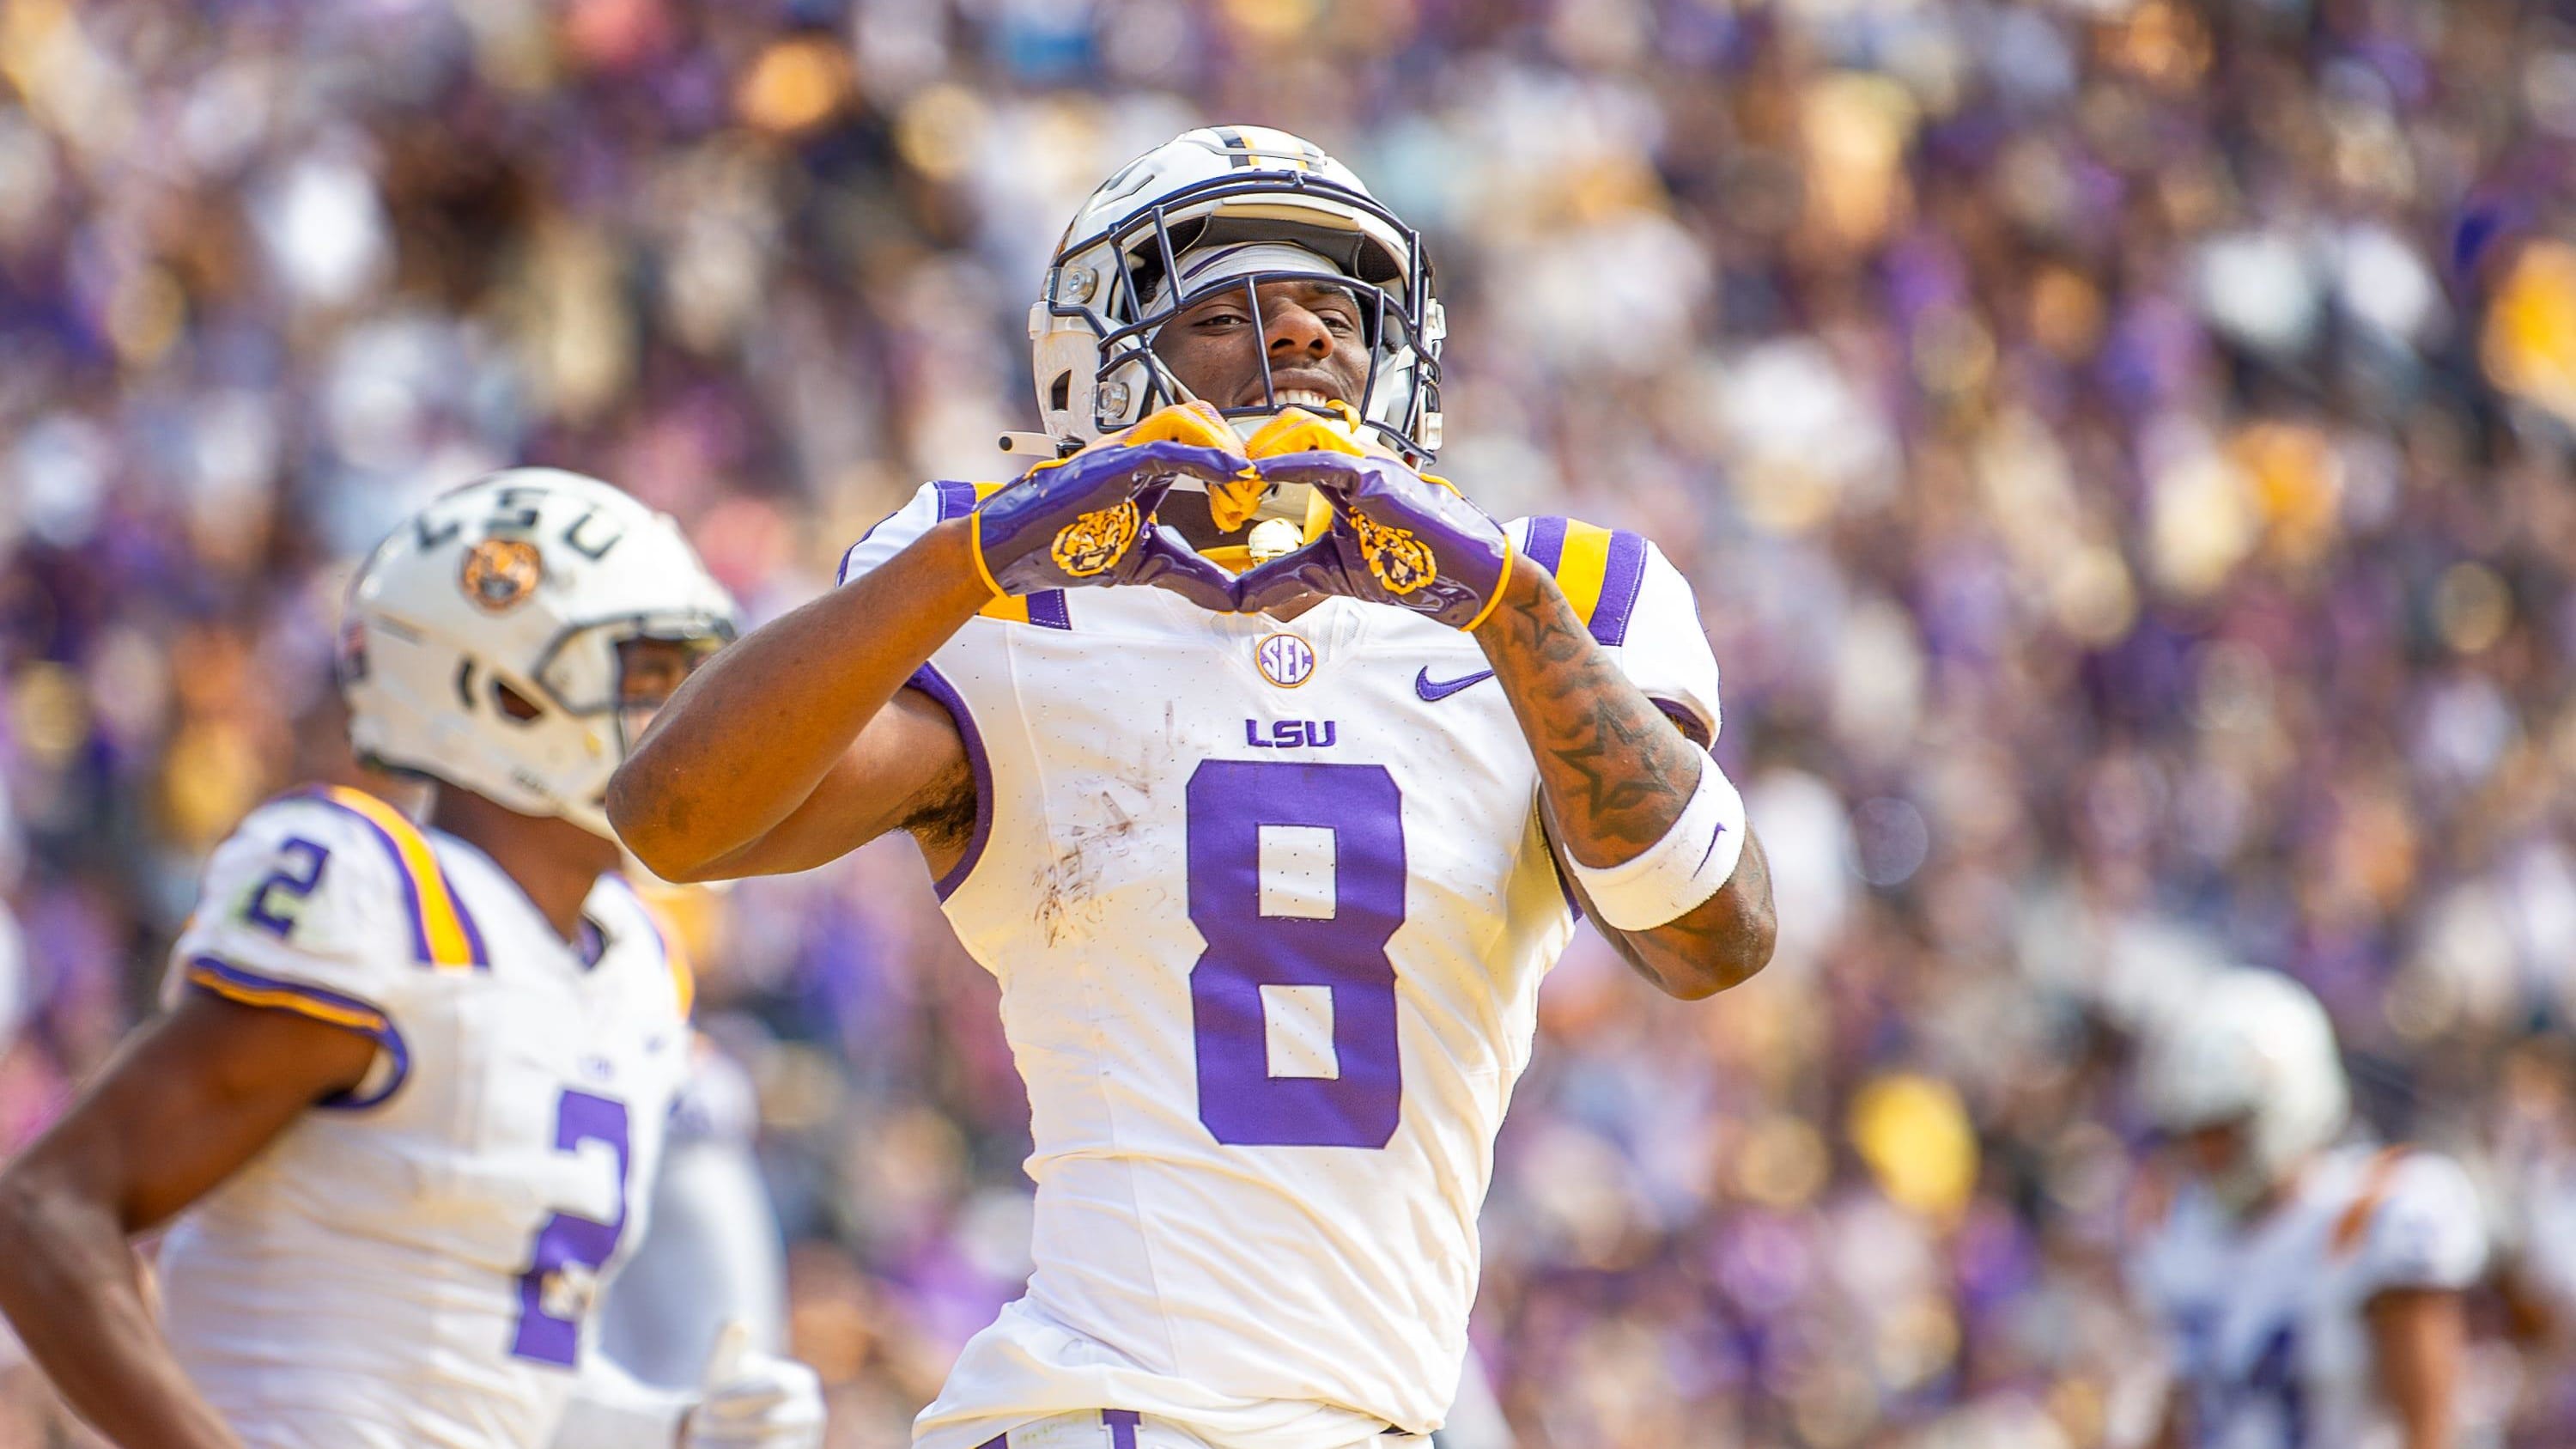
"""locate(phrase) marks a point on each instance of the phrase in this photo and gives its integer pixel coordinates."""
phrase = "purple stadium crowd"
(2122, 448)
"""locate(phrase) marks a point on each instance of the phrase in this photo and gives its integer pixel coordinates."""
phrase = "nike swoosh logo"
(1435, 690)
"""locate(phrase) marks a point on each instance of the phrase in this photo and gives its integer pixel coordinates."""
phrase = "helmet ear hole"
(1060, 392)
(513, 704)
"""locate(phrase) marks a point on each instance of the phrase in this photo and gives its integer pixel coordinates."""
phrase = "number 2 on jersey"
(1337, 944)
(568, 1240)
(262, 907)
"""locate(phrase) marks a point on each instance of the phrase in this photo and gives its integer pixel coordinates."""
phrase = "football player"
(1269, 865)
(409, 1092)
(2312, 1291)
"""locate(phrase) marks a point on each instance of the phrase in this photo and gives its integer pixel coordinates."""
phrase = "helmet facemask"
(595, 670)
(1115, 284)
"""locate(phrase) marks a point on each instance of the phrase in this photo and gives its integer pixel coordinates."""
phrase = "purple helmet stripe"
(1122, 1427)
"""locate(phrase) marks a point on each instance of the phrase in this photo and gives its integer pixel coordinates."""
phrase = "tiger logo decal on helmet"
(500, 573)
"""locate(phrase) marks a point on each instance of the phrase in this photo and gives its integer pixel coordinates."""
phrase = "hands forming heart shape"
(1396, 537)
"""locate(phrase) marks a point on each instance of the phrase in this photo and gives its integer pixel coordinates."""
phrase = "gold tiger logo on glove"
(1400, 561)
(1095, 540)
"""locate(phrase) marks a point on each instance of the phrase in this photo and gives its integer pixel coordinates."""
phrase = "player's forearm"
(1615, 774)
(71, 1288)
(755, 730)
(1615, 771)
(2418, 1337)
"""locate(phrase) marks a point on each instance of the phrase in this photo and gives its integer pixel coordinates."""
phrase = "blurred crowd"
(2122, 448)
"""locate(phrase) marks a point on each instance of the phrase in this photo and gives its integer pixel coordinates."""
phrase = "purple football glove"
(1396, 539)
(1087, 520)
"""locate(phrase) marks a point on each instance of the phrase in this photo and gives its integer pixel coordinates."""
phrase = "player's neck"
(2278, 1195)
(553, 861)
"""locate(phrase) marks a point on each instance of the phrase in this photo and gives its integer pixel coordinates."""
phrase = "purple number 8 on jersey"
(1240, 1101)
(567, 1240)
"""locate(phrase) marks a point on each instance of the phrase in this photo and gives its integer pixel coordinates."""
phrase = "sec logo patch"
(1285, 660)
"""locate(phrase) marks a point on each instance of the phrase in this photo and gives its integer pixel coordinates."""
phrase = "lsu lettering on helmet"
(482, 644)
(1110, 286)
(2253, 1049)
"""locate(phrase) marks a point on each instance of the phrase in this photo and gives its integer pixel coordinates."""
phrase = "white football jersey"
(412, 1263)
(1269, 904)
(2266, 1317)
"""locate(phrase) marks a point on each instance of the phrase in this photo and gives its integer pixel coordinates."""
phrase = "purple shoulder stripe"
(380, 1027)
(1621, 579)
(1049, 609)
(931, 682)
(956, 500)
(1546, 542)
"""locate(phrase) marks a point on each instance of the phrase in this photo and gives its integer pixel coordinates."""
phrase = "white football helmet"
(480, 642)
(1092, 331)
(2252, 1048)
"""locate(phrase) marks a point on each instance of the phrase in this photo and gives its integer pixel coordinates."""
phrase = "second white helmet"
(2252, 1048)
(481, 643)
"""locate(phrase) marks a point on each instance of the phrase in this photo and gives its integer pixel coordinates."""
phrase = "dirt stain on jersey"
(1068, 888)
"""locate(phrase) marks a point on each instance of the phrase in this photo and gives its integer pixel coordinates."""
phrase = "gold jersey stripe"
(1583, 565)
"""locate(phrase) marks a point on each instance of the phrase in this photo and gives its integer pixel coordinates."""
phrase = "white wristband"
(1692, 862)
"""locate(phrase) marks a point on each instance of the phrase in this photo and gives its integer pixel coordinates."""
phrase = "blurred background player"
(1269, 890)
(710, 1256)
(2311, 1288)
(408, 1096)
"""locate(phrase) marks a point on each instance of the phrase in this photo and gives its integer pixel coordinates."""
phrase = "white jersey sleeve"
(931, 504)
(2427, 1230)
(326, 903)
(1637, 605)
(934, 504)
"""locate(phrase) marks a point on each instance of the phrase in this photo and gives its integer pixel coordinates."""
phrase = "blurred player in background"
(1269, 866)
(2312, 1291)
(411, 1085)
(711, 1257)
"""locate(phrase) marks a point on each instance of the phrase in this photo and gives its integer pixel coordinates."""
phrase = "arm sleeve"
(311, 907)
(2428, 1230)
